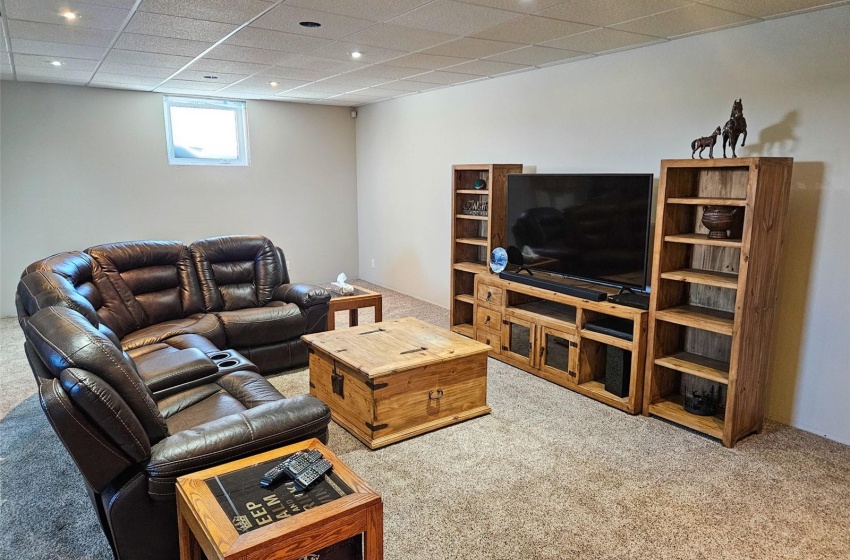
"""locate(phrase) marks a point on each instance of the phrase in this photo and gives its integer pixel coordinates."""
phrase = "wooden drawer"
(490, 295)
(487, 318)
(493, 339)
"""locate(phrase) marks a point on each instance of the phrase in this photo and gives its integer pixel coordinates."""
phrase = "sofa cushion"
(166, 373)
(173, 344)
(202, 324)
(237, 271)
(63, 339)
(262, 325)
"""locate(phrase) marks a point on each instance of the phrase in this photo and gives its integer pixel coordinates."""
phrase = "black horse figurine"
(705, 142)
(735, 126)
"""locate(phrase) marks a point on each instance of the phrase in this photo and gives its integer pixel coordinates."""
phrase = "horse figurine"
(705, 142)
(735, 126)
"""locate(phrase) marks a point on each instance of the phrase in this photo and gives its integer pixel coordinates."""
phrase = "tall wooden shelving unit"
(475, 236)
(713, 300)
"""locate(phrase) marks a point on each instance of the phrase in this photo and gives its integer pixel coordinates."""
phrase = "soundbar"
(556, 284)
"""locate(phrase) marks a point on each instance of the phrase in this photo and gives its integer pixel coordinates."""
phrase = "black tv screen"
(590, 227)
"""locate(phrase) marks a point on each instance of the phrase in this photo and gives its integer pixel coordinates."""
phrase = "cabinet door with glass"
(518, 340)
(558, 353)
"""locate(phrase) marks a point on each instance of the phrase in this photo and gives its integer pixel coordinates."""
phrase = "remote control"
(313, 473)
(291, 467)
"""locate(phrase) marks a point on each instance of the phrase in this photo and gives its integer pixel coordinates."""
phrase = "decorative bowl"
(719, 220)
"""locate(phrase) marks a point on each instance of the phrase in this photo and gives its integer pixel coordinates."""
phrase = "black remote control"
(291, 467)
(313, 473)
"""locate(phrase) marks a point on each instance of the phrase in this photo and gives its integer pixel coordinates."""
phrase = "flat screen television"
(592, 227)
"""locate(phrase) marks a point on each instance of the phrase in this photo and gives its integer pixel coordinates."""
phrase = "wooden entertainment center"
(710, 323)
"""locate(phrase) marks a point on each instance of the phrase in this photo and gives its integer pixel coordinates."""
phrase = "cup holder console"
(227, 363)
(220, 356)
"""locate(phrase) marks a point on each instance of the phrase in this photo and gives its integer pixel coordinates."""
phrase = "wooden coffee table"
(361, 298)
(397, 379)
(225, 513)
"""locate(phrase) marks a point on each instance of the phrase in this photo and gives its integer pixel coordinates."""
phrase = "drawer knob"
(487, 320)
(489, 295)
(435, 395)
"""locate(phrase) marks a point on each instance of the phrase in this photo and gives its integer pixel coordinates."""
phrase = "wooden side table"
(361, 298)
(269, 530)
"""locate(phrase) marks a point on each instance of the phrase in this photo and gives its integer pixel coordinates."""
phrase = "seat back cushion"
(78, 269)
(237, 271)
(63, 339)
(155, 280)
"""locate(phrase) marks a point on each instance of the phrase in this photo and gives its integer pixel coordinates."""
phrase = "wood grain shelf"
(707, 277)
(471, 217)
(607, 339)
(702, 239)
(697, 317)
(597, 389)
(703, 201)
(472, 191)
(466, 298)
(672, 408)
(480, 241)
(464, 328)
(475, 268)
(694, 364)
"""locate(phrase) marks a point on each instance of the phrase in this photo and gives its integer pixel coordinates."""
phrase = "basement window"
(205, 131)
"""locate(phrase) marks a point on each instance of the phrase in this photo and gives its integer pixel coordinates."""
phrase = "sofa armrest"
(302, 295)
(251, 431)
(166, 373)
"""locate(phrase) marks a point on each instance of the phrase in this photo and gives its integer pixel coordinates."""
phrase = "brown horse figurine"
(735, 126)
(705, 142)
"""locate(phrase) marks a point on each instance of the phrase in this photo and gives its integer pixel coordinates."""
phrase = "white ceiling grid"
(258, 49)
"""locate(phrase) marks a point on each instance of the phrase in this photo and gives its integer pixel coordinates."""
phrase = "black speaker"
(618, 371)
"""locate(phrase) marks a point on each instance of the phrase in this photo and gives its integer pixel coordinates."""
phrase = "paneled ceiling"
(262, 49)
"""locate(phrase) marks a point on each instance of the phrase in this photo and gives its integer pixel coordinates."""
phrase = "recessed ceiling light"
(274, 84)
(69, 15)
(309, 24)
(210, 77)
(356, 54)
(55, 63)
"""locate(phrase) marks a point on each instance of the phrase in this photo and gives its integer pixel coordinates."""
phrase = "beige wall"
(624, 113)
(87, 166)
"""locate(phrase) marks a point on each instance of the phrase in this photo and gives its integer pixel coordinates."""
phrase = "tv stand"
(558, 284)
(546, 333)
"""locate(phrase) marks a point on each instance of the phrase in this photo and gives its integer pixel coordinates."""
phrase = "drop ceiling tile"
(354, 81)
(487, 68)
(121, 85)
(383, 92)
(295, 73)
(386, 72)
(357, 99)
(322, 64)
(260, 84)
(117, 79)
(118, 56)
(227, 66)
(223, 11)
(456, 18)
(49, 11)
(767, 8)
(44, 48)
(6, 60)
(301, 94)
(375, 10)
(188, 85)
(235, 53)
(161, 45)
(276, 40)
(398, 37)
(67, 63)
(684, 21)
(523, 6)
(472, 48)
(287, 18)
(162, 25)
(602, 40)
(137, 70)
(426, 61)
(409, 85)
(444, 78)
(325, 87)
(59, 33)
(112, 3)
(536, 56)
(609, 12)
(221, 78)
(342, 51)
(53, 74)
(6, 72)
(532, 30)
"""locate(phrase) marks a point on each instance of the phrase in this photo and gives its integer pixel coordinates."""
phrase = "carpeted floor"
(548, 475)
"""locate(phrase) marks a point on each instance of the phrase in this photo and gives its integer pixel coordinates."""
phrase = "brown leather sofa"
(148, 358)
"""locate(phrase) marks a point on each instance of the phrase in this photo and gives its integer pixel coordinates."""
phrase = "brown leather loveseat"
(148, 357)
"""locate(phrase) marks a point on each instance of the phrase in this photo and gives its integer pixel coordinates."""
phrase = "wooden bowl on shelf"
(719, 220)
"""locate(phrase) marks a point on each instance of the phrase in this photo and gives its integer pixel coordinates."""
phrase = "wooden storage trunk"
(393, 380)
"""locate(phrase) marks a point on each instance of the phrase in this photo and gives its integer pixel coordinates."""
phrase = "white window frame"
(238, 107)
